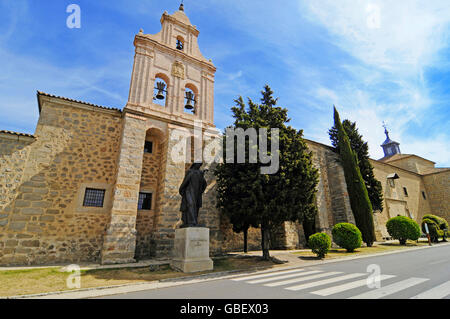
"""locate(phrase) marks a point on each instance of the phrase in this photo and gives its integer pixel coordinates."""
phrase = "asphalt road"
(423, 273)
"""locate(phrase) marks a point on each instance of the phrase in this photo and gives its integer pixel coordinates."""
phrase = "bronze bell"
(190, 99)
(160, 86)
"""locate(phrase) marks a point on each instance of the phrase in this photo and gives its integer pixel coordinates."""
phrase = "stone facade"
(77, 146)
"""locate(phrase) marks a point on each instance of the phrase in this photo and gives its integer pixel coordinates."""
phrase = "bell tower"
(389, 146)
(172, 88)
(171, 79)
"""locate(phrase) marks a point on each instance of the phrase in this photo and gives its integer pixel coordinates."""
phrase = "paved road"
(423, 274)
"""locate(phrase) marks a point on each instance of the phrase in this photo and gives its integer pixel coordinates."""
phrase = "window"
(93, 197)
(424, 196)
(145, 201)
(180, 44)
(148, 147)
(405, 191)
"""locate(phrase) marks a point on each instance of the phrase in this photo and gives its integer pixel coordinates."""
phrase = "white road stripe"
(267, 274)
(345, 287)
(391, 289)
(283, 277)
(437, 292)
(290, 281)
(324, 282)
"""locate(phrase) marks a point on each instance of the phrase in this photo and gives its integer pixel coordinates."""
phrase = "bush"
(403, 228)
(320, 243)
(441, 222)
(433, 228)
(347, 236)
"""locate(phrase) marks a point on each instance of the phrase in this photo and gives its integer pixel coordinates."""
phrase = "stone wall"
(395, 201)
(150, 180)
(438, 190)
(76, 147)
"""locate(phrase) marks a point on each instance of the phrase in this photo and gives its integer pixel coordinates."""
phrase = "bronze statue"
(191, 190)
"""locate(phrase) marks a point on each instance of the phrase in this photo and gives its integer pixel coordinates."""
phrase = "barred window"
(93, 197)
(148, 147)
(145, 201)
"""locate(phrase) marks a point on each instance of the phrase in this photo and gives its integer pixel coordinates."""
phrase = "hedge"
(320, 243)
(347, 236)
(403, 228)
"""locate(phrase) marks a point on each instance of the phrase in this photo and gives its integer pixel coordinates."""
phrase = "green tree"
(359, 197)
(361, 149)
(268, 200)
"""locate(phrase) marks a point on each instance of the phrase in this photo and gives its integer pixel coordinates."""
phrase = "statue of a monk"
(191, 190)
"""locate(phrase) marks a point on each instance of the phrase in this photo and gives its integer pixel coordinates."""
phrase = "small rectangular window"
(148, 147)
(405, 191)
(423, 195)
(93, 197)
(145, 201)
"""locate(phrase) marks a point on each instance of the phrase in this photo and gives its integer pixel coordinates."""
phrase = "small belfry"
(171, 78)
(389, 146)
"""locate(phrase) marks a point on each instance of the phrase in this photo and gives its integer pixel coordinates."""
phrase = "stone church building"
(99, 184)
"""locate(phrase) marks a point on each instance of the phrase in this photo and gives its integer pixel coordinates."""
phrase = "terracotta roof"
(16, 133)
(39, 93)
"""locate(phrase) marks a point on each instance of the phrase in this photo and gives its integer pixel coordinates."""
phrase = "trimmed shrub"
(320, 243)
(441, 222)
(433, 228)
(403, 228)
(347, 236)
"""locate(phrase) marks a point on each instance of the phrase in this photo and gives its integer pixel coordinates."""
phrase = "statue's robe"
(191, 190)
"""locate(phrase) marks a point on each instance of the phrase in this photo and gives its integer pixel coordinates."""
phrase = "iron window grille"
(94, 197)
(145, 201)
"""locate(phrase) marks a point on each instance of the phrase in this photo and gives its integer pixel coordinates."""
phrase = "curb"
(178, 281)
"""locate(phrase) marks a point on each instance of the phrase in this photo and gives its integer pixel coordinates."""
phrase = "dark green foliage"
(309, 227)
(403, 228)
(443, 224)
(359, 198)
(347, 236)
(320, 244)
(361, 148)
(248, 197)
(433, 228)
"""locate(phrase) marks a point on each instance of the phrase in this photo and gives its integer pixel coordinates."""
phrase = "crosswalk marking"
(275, 273)
(324, 282)
(348, 286)
(437, 292)
(391, 289)
(290, 281)
(258, 281)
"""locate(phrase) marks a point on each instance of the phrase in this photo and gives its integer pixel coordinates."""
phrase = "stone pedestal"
(191, 250)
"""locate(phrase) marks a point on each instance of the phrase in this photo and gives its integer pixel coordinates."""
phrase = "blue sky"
(375, 60)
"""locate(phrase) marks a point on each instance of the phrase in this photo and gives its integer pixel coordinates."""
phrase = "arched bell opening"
(161, 89)
(190, 99)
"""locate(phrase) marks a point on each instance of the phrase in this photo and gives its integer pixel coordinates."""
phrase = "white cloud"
(387, 80)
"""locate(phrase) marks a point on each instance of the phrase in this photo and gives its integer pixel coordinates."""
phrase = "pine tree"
(361, 149)
(248, 197)
(359, 197)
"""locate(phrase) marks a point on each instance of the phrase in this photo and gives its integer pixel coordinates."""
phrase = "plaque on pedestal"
(191, 250)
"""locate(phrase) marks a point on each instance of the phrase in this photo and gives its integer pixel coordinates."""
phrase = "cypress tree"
(361, 148)
(359, 197)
